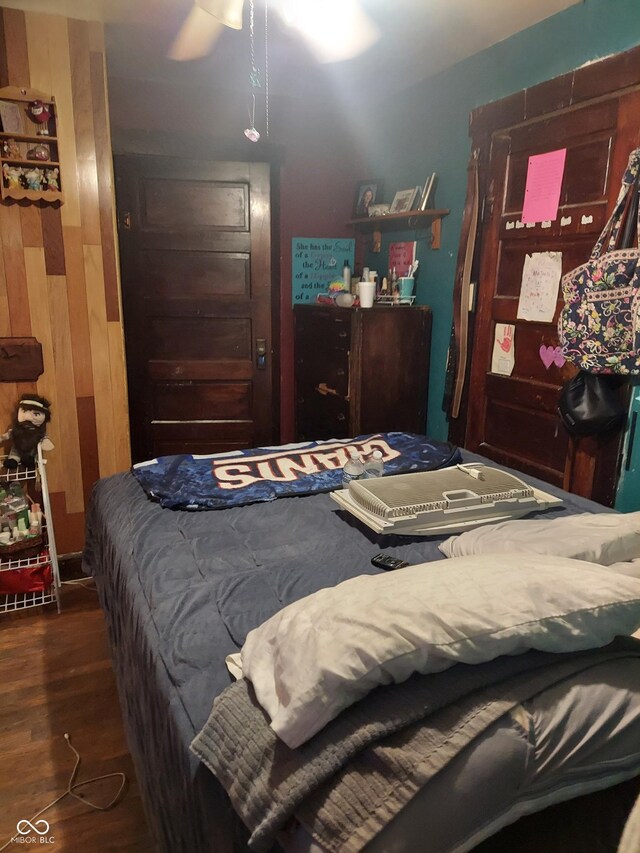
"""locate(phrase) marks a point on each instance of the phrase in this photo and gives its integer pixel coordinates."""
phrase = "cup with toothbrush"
(407, 282)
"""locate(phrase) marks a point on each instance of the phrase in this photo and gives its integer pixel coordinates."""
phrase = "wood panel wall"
(59, 266)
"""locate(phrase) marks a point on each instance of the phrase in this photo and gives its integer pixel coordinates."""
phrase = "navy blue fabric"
(181, 590)
(266, 473)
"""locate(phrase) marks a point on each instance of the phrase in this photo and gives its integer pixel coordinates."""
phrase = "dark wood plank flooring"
(56, 677)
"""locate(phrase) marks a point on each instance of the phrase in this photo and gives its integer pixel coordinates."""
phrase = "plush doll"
(27, 430)
(33, 178)
(51, 177)
(41, 113)
(10, 149)
(12, 176)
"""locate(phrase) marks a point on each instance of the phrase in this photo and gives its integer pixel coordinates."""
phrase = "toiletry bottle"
(346, 276)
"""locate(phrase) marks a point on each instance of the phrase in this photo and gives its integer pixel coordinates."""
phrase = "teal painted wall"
(425, 129)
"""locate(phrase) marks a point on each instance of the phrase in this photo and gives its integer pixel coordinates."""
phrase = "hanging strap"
(611, 230)
(461, 299)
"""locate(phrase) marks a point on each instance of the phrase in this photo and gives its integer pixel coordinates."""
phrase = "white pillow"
(320, 654)
(630, 567)
(604, 538)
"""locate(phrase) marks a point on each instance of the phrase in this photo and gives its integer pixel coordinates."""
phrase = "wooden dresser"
(360, 370)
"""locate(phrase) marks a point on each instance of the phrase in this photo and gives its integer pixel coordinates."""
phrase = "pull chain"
(254, 78)
(266, 65)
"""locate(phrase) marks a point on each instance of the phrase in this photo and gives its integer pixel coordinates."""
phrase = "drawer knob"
(341, 417)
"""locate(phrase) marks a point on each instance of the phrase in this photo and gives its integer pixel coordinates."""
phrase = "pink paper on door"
(544, 182)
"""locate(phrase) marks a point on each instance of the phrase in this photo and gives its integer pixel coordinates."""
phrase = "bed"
(181, 589)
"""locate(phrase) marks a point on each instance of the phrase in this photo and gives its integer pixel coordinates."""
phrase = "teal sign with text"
(315, 263)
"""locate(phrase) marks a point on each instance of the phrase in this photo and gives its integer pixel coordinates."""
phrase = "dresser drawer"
(332, 376)
(320, 415)
(328, 330)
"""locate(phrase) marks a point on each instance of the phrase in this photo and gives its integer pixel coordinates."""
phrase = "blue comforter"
(181, 590)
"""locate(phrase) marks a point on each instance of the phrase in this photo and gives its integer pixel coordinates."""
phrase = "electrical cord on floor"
(85, 583)
(72, 785)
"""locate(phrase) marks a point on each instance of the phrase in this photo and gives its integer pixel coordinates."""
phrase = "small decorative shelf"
(20, 133)
(398, 221)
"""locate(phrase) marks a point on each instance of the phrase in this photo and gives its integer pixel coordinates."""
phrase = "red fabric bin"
(37, 578)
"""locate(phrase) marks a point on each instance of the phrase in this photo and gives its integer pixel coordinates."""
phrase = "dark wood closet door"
(196, 264)
(513, 419)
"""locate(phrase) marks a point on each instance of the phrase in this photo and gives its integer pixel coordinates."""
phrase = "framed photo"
(378, 209)
(11, 117)
(428, 193)
(367, 193)
(403, 200)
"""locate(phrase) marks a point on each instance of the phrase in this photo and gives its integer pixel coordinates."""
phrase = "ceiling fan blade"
(196, 36)
(228, 12)
(203, 26)
(334, 30)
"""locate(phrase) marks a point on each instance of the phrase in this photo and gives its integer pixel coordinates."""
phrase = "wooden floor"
(56, 677)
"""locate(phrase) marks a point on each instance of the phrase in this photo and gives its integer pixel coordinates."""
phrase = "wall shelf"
(398, 221)
(25, 132)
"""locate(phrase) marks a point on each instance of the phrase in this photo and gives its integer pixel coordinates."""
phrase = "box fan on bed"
(430, 502)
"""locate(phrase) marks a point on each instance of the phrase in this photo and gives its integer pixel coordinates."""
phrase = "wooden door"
(513, 419)
(198, 304)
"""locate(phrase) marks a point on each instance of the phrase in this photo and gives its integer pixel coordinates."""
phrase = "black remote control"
(387, 562)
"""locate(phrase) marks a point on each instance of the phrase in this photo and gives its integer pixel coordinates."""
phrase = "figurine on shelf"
(34, 178)
(40, 113)
(38, 152)
(27, 430)
(10, 149)
(52, 179)
(12, 176)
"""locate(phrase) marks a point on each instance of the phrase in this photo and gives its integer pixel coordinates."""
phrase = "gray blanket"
(354, 776)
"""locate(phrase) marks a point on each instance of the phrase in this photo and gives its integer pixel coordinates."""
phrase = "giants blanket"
(266, 473)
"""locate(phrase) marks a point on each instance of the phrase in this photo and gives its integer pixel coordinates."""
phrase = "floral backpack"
(599, 326)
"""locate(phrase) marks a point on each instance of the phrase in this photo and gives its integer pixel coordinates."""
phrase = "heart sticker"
(552, 355)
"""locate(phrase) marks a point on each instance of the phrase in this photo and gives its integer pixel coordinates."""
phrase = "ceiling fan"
(334, 30)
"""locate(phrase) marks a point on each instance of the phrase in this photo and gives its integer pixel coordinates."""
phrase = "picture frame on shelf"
(428, 192)
(403, 201)
(379, 209)
(11, 118)
(367, 193)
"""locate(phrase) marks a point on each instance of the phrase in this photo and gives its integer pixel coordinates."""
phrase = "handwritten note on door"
(539, 289)
(544, 182)
(503, 357)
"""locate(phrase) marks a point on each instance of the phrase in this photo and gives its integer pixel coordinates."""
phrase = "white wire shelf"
(393, 300)
(36, 555)
(8, 564)
(11, 602)
(13, 474)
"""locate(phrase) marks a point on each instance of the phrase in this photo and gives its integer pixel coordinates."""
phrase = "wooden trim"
(52, 240)
(574, 89)
(17, 54)
(106, 197)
